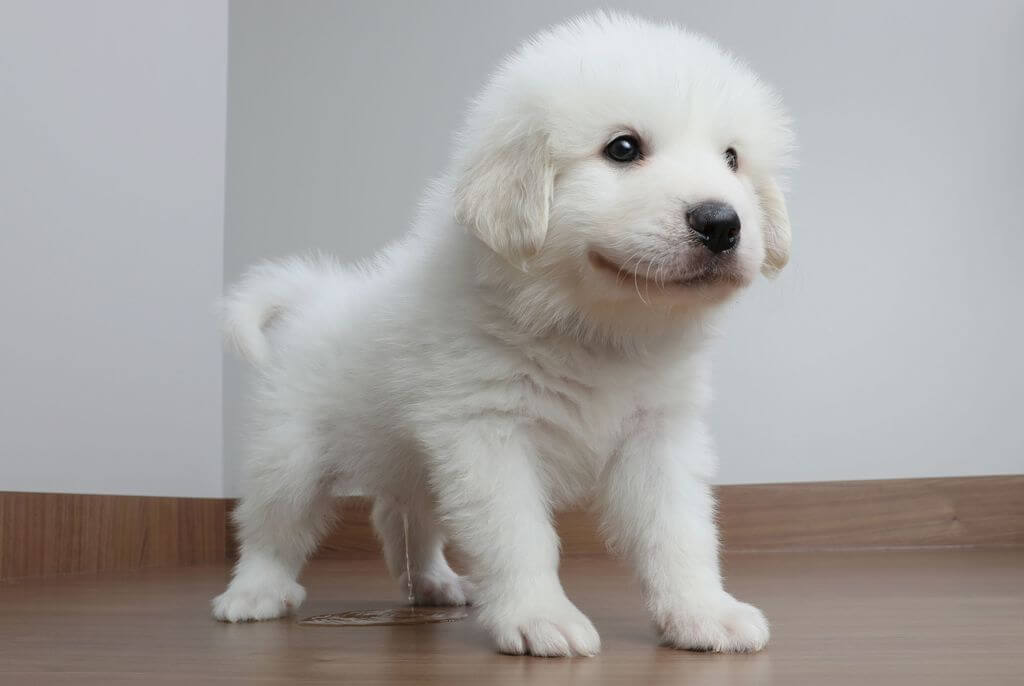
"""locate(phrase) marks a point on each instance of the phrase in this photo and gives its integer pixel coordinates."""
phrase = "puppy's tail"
(267, 292)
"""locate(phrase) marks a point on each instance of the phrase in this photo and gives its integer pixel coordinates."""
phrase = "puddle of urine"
(393, 616)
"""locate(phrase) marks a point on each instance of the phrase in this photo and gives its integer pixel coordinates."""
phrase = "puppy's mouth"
(709, 275)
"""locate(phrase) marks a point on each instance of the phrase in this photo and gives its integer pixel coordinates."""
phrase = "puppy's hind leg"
(286, 509)
(411, 529)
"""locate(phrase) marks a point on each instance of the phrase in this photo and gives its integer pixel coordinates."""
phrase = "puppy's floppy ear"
(777, 234)
(503, 194)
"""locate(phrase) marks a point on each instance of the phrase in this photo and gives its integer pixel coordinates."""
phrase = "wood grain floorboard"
(839, 619)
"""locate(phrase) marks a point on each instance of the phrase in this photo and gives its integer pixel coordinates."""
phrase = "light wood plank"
(940, 618)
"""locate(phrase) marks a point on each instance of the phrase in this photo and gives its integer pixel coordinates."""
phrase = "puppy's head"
(625, 160)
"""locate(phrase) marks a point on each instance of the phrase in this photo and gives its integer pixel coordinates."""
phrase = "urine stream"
(408, 568)
(392, 616)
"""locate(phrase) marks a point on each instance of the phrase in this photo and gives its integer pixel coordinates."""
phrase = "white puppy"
(536, 342)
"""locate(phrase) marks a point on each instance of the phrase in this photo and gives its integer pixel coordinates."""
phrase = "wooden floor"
(864, 618)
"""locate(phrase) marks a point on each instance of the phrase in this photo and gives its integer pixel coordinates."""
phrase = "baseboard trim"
(51, 534)
(48, 534)
(892, 513)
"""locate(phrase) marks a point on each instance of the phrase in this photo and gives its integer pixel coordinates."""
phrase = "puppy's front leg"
(495, 509)
(658, 511)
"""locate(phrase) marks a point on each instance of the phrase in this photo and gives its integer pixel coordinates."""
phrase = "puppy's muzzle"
(715, 224)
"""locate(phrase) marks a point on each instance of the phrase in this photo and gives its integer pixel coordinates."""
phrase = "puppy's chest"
(579, 416)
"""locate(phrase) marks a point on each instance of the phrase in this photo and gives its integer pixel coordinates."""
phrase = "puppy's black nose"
(716, 225)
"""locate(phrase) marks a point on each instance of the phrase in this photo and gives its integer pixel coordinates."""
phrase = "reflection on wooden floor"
(860, 618)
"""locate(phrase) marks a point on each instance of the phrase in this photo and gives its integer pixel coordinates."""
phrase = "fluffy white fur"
(491, 367)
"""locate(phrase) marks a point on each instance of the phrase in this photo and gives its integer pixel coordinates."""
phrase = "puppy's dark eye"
(732, 159)
(625, 148)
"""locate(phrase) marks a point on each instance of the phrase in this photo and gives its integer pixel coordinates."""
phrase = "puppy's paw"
(439, 588)
(250, 600)
(555, 629)
(718, 623)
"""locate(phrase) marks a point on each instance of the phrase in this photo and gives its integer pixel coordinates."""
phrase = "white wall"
(890, 348)
(892, 345)
(112, 134)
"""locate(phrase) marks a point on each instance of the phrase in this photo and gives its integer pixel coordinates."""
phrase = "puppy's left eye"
(732, 159)
(625, 148)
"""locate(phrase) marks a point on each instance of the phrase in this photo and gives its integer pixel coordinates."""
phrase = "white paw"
(252, 600)
(439, 588)
(554, 629)
(718, 623)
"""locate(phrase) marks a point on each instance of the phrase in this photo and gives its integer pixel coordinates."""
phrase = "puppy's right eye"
(625, 148)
